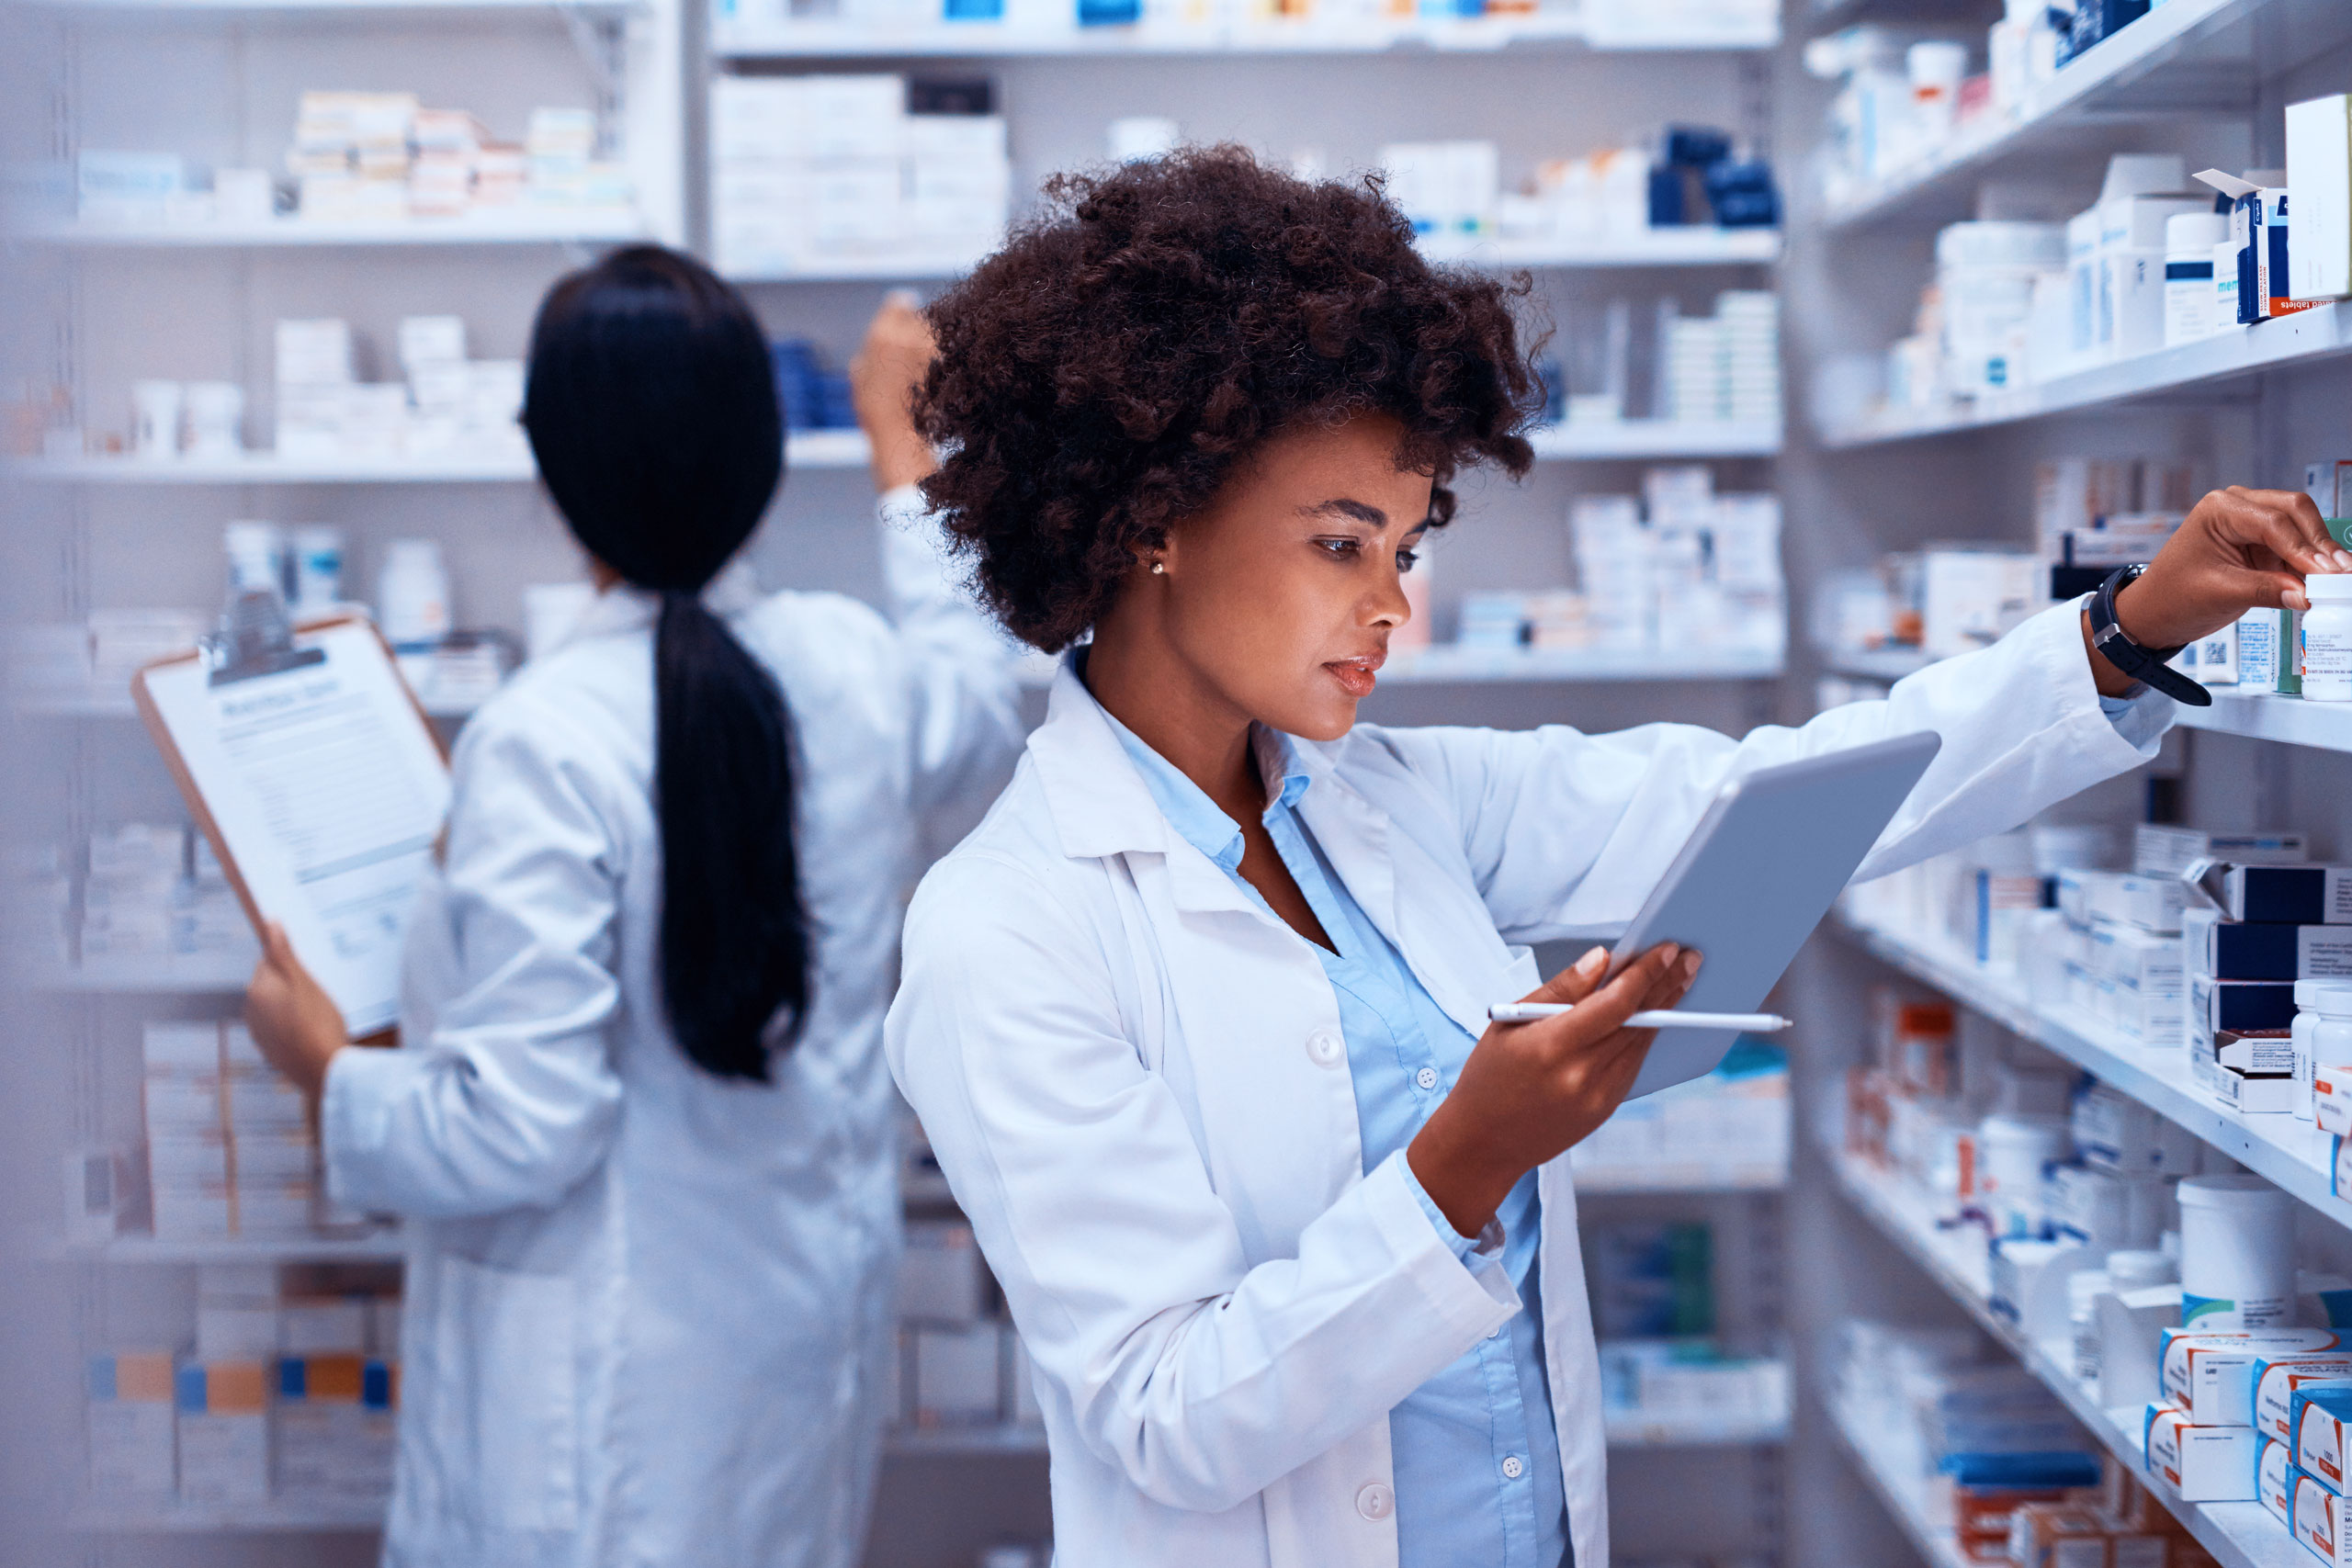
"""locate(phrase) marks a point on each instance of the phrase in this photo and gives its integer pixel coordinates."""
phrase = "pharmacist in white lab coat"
(1196, 1020)
(640, 1122)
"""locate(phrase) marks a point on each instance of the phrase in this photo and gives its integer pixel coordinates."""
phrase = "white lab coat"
(647, 1309)
(1134, 1081)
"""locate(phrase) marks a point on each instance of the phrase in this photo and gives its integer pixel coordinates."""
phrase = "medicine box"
(958, 1380)
(2319, 171)
(2201, 1464)
(2117, 1133)
(2274, 1477)
(2159, 850)
(2320, 1522)
(2210, 1376)
(2122, 898)
(940, 1276)
(2239, 1005)
(131, 1425)
(2264, 1053)
(2288, 894)
(224, 1431)
(2222, 949)
(2316, 1418)
(2248, 1094)
(2275, 1378)
(335, 1427)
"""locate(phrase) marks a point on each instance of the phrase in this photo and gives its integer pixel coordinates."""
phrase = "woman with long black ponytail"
(639, 1123)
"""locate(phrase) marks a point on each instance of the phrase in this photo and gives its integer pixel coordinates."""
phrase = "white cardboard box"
(2319, 172)
(2321, 1524)
(2275, 1382)
(2201, 1464)
(2210, 1376)
(2276, 1479)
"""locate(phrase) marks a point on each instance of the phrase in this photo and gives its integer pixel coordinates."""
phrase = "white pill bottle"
(2328, 638)
(2237, 1254)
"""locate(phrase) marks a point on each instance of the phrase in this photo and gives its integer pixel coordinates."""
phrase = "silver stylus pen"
(1750, 1022)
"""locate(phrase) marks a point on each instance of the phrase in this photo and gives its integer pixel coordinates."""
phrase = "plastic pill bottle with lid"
(2323, 1030)
(2083, 1289)
(2011, 1151)
(413, 593)
(2328, 638)
(2237, 1254)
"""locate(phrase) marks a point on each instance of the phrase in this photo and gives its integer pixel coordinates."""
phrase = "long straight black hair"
(651, 408)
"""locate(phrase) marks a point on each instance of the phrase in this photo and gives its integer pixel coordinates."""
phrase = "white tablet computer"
(1761, 868)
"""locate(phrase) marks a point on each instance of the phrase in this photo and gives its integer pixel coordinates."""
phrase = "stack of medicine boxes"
(2261, 925)
(229, 1144)
(2256, 1413)
(289, 1397)
(958, 1365)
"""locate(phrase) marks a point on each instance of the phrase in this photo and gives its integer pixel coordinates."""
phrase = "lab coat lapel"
(1102, 806)
(1404, 895)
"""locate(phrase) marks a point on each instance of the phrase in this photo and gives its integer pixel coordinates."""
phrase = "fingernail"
(1592, 961)
(1690, 965)
(2293, 599)
(1672, 948)
(2344, 560)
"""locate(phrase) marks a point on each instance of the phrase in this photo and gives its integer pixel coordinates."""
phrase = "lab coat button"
(1374, 1501)
(1326, 1048)
(1425, 1077)
(1513, 1467)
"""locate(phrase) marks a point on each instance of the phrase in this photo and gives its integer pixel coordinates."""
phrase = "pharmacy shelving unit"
(2208, 79)
(2239, 1535)
(110, 302)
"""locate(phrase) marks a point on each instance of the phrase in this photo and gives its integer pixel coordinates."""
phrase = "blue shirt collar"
(1196, 818)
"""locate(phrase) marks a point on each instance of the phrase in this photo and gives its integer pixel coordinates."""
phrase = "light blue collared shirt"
(1477, 1462)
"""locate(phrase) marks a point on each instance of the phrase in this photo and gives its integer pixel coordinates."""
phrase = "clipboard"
(321, 785)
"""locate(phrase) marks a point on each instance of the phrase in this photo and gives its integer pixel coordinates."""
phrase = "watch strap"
(2142, 663)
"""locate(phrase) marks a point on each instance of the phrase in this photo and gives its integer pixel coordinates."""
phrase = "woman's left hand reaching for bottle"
(2240, 550)
(294, 1021)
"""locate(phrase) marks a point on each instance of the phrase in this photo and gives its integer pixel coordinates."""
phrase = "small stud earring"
(1160, 569)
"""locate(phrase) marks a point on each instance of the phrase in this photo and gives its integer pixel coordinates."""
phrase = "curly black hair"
(1101, 376)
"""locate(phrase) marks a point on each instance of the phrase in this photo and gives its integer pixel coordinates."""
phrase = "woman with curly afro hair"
(1196, 1020)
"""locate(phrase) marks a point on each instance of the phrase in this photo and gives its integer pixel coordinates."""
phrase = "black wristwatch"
(2148, 665)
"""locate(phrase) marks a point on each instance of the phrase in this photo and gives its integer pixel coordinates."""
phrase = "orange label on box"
(235, 1386)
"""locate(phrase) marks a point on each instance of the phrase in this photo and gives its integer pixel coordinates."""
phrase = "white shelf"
(205, 975)
(2285, 1150)
(838, 40)
(2264, 716)
(1449, 662)
(1674, 1178)
(522, 225)
(374, 1247)
(1633, 440)
(1644, 439)
(1889, 664)
(1695, 245)
(1626, 1431)
(2239, 1535)
(2259, 716)
(2305, 338)
(917, 1442)
(2168, 60)
(1928, 1524)
(275, 1516)
(803, 449)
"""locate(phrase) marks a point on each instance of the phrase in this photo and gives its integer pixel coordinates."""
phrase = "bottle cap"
(2334, 587)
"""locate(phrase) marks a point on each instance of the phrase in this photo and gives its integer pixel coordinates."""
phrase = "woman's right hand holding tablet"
(1530, 1091)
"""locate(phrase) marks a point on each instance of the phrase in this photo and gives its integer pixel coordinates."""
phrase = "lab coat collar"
(1101, 805)
(625, 607)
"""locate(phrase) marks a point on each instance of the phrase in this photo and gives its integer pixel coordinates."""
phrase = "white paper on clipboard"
(324, 790)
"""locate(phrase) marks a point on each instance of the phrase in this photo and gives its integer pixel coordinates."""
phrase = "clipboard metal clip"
(257, 638)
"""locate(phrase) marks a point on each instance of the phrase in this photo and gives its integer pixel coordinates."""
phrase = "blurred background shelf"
(376, 1246)
(739, 40)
